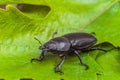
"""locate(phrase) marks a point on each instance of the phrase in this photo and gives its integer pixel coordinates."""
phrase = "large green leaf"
(41, 19)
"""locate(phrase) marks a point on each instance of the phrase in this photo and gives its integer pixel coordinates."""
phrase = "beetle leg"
(96, 48)
(57, 68)
(41, 57)
(78, 55)
(53, 35)
(100, 46)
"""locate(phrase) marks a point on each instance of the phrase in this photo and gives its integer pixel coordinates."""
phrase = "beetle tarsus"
(78, 55)
(35, 59)
(40, 59)
(57, 70)
(115, 48)
(86, 66)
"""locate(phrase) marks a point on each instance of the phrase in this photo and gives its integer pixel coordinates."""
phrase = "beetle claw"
(34, 59)
(86, 66)
(59, 71)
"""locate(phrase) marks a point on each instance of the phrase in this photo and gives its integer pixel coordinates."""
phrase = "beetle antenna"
(37, 40)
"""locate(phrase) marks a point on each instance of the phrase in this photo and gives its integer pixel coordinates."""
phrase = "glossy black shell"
(80, 40)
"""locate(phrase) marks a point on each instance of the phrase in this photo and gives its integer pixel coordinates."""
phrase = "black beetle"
(72, 43)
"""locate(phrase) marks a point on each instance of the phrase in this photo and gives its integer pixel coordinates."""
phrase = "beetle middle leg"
(41, 57)
(78, 55)
(57, 68)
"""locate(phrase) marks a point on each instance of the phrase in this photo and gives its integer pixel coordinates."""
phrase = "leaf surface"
(18, 27)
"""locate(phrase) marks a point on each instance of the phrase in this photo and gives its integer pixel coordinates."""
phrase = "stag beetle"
(72, 43)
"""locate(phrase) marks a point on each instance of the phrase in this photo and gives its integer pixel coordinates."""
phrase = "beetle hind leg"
(78, 55)
(96, 48)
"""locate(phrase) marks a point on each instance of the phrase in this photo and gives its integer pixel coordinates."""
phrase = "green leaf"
(18, 27)
(110, 63)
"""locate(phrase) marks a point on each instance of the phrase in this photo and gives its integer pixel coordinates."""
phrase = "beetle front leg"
(78, 55)
(57, 68)
(41, 57)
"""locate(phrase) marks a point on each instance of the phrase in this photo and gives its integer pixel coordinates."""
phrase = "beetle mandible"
(72, 43)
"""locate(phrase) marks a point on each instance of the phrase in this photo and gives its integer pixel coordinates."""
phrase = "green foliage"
(41, 18)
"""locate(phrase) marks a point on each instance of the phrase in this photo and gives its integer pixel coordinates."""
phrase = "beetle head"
(49, 46)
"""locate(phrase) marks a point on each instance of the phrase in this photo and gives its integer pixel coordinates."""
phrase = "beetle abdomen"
(80, 40)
